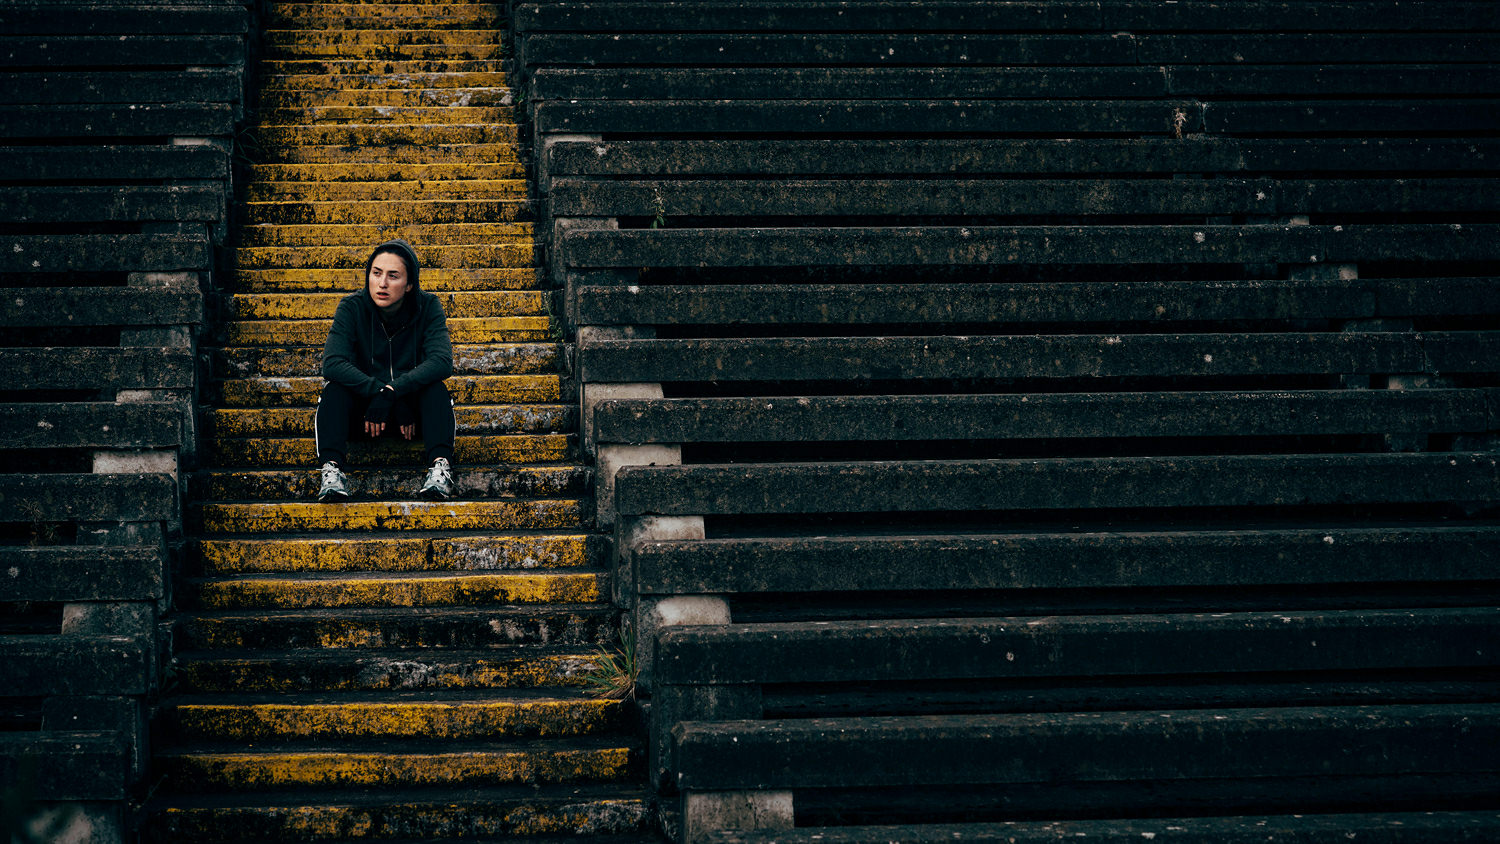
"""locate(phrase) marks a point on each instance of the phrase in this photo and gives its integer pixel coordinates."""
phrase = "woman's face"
(387, 283)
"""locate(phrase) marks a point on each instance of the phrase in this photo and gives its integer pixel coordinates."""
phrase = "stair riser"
(390, 52)
(354, 258)
(400, 16)
(354, 212)
(507, 359)
(349, 236)
(465, 389)
(277, 84)
(415, 673)
(465, 553)
(415, 821)
(472, 421)
(336, 94)
(468, 450)
(245, 772)
(315, 332)
(352, 38)
(361, 66)
(445, 630)
(294, 306)
(384, 191)
(457, 153)
(488, 482)
(358, 135)
(452, 591)
(398, 516)
(434, 280)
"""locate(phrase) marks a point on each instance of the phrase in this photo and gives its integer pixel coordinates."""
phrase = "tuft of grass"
(615, 670)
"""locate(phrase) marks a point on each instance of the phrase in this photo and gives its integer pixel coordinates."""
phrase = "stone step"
(389, 52)
(443, 629)
(376, 212)
(348, 280)
(391, 153)
(385, 191)
(466, 389)
(313, 332)
(390, 451)
(442, 552)
(378, 38)
(472, 420)
(544, 815)
(337, 590)
(335, 94)
(365, 172)
(358, 134)
(274, 85)
(463, 305)
(496, 358)
(354, 257)
(368, 482)
(364, 516)
(398, 765)
(430, 715)
(382, 672)
(375, 66)
(384, 16)
(421, 115)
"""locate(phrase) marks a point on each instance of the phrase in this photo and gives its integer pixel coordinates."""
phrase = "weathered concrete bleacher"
(1031, 420)
(114, 171)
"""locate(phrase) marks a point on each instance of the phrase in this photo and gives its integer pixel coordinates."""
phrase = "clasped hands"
(383, 408)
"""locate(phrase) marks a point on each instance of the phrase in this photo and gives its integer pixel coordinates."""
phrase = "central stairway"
(389, 668)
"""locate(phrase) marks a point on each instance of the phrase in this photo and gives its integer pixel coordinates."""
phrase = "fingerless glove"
(380, 406)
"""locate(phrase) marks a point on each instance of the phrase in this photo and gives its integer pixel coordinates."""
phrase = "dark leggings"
(341, 412)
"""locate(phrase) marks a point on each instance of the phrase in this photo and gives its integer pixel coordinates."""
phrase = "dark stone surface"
(118, 121)
(984, 245)
(65, 573)
(91, 424)
(74, 665)
(147, 162)
(67, 306)
(71, 765)
(60, 51)
(103, 252)
(985, 197)
(1038, 560)
(1140, 303)
(1087, 747)
(133, 203)
(88, 497)
(1077, 646)
(120, 86)
(980, 156)
(1055, 483)
(50, 17)
(1388, 828)
(1059, 415)
(103, 368)
(1373, 117)
(1034, 356)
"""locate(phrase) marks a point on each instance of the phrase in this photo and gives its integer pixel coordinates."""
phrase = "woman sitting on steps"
(385, 361)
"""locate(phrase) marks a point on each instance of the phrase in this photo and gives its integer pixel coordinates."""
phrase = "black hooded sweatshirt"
(408, 350)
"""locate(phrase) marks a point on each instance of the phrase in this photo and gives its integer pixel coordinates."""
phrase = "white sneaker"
(439, 483)
(334, 486)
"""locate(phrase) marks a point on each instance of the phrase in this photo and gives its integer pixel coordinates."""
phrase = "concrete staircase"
(390, 668)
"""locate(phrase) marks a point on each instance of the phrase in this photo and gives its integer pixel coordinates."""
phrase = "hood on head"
(403, 250)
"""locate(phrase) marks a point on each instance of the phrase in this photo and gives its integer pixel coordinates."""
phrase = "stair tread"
(430, 697)
(380, 613)
(521, 794)
(401, 747)
(401, 576)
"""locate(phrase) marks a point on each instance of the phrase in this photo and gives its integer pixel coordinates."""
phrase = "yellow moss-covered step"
(465, 552)
(385, 191)
(465, 389)
(362, 65)
(408, 671)
(388, 153)
(368, 234)
(516, 254)
(335, 95)
(281, 15)
(274, 85)
(377, 38)
(390, 589)
(268, 452)
(377, 212)
(251, 517)
(397, 765)
(314, 332)
(360, 134)
(421, 115)
(580, 627)
(370, 172)
(471, 419)
(347, 280)
(461, 305)
(491, 358)
(399, 817)
(392, 52)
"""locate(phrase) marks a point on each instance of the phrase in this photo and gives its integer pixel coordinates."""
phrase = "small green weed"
(615, 670)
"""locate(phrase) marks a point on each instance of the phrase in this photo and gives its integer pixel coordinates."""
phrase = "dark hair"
(403, 250)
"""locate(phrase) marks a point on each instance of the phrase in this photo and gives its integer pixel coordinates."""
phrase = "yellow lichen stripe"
(450, 95)
(462, 305)
(391, 153)
(346, 280)
(466, 389)
(399, 591)
(267, 191)
(392, 515)
(264, 422)
(408, 673)
(468, 450)
(464, 330)
(381, 38)
(468, 553)
(361, 212)
(359, 134)
(334, 83)
(398, 52)
(372, 14)
(488, 358)
(399, 719)
(493, 767)
(353, 234)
